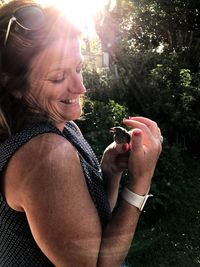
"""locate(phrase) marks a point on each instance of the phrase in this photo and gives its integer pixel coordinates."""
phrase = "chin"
(74, 116)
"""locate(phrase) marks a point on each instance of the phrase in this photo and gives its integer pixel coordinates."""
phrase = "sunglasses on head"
(27, 19)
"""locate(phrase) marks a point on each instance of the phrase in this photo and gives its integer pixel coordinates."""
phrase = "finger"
(122, 160)
(136, 124)
(122, 164)
(144, 123)
(144, 120)
(159, 131)
(137, 139)
(150, 123)
(122, 148)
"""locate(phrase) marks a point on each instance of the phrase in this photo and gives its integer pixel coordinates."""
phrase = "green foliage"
(97, 120)
(185, 78)
(170, 169)
(156, 86)
(175, 93)
(172, 23)
(164, 85)
(103, 85)
(172, 240)
(95, 46)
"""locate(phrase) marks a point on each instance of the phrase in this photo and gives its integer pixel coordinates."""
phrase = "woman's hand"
(115, 159)
(145, 148)
(114, 162)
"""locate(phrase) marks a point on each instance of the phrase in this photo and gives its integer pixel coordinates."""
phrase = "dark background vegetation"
(154, 47)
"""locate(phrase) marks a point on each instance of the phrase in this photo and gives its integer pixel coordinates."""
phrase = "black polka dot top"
(17, 246)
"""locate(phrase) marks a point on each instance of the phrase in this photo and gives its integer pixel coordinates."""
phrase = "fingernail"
(131, 118)
(136, 133)
(126, 118)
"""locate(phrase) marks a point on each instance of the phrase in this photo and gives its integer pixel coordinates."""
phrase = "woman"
(55, 207)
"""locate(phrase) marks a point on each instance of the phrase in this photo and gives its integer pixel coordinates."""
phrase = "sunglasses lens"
(30, 17)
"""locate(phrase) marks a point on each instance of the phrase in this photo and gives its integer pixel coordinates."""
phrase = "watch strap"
(134, 199)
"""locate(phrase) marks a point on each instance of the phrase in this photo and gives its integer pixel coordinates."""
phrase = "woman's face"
(55, 81)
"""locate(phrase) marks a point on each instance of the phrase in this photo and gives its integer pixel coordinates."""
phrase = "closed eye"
(58, 80)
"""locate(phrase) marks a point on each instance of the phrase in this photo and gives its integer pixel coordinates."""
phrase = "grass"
(173, 239)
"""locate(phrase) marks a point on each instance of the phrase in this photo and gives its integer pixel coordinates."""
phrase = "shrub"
(97, 119)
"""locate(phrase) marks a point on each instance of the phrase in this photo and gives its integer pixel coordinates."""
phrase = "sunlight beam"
(81, 13)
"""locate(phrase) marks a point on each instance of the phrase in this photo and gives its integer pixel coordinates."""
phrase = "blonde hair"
(15, 60)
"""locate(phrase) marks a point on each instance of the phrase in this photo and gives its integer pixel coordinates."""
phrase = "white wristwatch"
(135, 199)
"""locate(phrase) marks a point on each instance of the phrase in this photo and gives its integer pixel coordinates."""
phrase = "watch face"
(145, 200)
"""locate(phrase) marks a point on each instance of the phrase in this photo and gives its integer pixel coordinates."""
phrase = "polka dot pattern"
(17, 246)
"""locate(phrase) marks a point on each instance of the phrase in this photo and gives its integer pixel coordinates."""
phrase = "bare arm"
(54, 195)
(145, 149)
(60, 211)
(118, 235)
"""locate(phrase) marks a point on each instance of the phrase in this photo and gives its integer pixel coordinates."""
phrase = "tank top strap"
(88, 160)
(76, 138)
(12, 144)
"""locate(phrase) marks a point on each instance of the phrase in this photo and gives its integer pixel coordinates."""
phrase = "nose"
(76, 85)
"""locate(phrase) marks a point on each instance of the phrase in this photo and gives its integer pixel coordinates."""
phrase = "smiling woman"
(56, 81)
(56, 200)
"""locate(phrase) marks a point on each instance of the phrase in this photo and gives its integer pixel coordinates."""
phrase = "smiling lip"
(70, 101)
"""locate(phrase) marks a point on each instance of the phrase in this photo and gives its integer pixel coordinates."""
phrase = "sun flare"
(80, 12)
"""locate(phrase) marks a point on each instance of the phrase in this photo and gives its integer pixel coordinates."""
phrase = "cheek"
(47, 100)
(42, 92)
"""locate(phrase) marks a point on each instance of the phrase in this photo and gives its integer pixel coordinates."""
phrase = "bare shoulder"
(38, 162)
(45, 145)
(46, 155)
(54, 195)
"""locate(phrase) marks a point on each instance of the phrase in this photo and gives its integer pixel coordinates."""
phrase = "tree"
(156, 45)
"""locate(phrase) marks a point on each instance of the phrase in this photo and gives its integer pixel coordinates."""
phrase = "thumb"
(137, 139)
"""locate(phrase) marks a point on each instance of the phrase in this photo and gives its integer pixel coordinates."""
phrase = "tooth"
(70, 101)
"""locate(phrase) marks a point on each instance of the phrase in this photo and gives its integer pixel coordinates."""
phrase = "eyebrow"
(61, 69)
